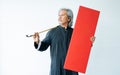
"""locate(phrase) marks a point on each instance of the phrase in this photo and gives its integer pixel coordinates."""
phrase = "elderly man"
(58, 39)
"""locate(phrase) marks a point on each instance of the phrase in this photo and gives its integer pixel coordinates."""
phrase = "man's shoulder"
(54, 29)
(70, 28)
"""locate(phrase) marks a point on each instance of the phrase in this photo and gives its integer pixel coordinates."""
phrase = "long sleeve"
(35, 45)
(43, 45)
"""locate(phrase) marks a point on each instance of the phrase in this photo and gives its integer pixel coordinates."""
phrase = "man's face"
(63, 18)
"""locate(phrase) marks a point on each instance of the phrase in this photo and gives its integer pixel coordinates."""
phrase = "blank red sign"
(80, 44)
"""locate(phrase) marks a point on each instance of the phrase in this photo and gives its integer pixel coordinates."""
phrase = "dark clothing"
(58, 39)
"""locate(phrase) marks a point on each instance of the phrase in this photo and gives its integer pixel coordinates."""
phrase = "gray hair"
(69, 14)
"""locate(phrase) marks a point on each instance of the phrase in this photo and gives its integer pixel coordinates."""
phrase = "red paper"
(80, 45)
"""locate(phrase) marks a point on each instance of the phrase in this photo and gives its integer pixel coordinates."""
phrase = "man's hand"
(92, 39)
(36, 37)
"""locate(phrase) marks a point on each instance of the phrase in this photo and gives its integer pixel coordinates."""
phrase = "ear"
(69, 19)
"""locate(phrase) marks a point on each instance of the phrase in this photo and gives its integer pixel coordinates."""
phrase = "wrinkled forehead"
(62, 12)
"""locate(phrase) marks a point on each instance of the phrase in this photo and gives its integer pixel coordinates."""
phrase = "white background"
(20, 17)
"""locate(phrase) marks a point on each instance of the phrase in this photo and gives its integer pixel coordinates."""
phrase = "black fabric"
(58, 39)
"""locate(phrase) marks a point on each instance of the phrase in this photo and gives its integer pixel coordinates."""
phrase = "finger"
(37, 34)
(34, 36)
(91, 38)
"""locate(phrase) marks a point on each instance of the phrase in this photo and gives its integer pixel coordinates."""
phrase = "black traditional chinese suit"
(58, 39)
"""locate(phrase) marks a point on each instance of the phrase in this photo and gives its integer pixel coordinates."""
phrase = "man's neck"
(65, 26)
